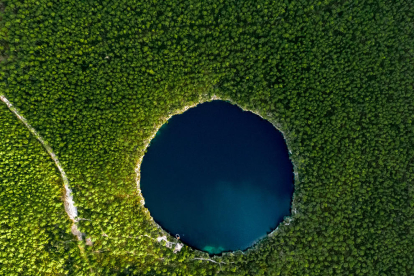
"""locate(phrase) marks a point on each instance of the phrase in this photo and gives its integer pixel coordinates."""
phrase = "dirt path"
(70, 208)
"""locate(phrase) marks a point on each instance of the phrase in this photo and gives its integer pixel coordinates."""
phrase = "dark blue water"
(218, 176)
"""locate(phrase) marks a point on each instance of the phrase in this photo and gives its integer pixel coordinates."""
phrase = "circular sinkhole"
(217, 176)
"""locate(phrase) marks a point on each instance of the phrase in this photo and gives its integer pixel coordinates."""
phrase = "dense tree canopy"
(96, 78)
(34, 228)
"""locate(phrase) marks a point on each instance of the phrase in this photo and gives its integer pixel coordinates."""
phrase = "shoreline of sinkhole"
(190, 191)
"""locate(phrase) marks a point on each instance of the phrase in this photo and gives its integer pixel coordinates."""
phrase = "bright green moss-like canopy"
(97, 78)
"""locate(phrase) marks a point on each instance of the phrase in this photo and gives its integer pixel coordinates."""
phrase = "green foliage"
(96, 77)
(35, 236)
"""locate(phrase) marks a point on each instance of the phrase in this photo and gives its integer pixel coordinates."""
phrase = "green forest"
(96, 78)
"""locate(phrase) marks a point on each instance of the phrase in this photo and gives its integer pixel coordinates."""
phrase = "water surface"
(218, 176)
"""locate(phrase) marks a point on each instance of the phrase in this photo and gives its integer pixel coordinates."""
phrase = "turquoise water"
(218, 176)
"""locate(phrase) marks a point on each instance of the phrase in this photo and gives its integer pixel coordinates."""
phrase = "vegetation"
(35, 232)
(95, 79)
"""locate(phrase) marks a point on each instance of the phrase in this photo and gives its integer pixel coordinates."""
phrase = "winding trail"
(69, 204)
(70, 207)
